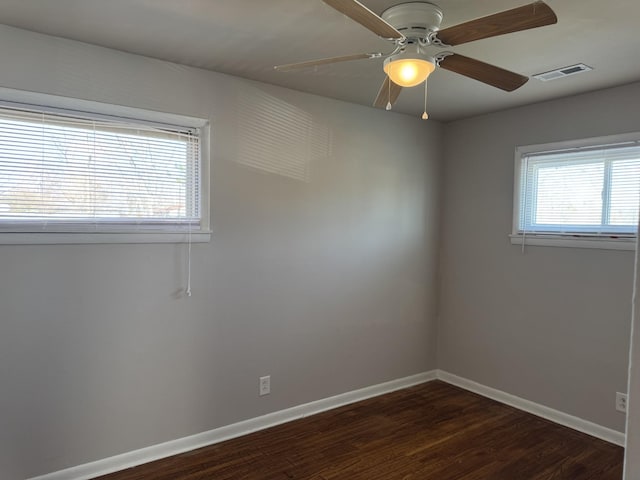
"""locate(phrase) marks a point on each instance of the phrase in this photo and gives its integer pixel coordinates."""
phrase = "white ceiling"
(247, 37)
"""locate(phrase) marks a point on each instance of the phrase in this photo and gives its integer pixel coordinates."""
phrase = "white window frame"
(610, 242)
(89, 109)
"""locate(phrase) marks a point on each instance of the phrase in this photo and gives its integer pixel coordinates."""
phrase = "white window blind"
(587, 191)
(68, 173)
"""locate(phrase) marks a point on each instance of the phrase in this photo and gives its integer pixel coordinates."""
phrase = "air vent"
(563, 72)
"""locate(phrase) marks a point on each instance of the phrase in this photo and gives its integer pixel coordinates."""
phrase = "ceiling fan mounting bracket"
(417, 21)
(432, 39)
(440, 56)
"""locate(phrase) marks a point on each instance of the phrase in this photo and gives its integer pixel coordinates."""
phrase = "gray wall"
(550, 325)
(320, 273)
(632, 453)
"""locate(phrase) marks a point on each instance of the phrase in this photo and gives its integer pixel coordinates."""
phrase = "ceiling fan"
(413, 26)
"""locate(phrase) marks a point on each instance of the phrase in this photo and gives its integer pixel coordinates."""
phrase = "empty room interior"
(406, 252)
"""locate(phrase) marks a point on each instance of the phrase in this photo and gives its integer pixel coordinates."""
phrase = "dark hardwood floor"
(430, 432)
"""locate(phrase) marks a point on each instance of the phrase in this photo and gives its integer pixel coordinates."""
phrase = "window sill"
(50, 238)
(604, 243)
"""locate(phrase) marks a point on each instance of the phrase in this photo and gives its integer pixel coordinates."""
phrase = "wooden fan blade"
(325, 61)
(387, 93)
(537, 14)
(483, 72)
(365, 17)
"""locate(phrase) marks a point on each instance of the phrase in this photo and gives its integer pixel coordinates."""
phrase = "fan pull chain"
(425, 116)
(388, 107)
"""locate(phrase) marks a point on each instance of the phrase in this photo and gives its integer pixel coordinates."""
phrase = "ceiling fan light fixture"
(409, 69)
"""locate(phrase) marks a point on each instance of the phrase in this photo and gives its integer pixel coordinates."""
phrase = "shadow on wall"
(277, 137)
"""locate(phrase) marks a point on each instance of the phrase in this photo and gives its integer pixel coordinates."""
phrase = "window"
(71, 174)
(587, 191)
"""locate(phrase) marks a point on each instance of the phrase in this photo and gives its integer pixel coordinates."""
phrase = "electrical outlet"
(265, 385)
(621, 402)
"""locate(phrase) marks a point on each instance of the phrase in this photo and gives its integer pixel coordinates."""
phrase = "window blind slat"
(59, 172)
(587, 191)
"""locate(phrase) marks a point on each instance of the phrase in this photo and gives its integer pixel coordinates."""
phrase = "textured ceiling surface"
(248, 37)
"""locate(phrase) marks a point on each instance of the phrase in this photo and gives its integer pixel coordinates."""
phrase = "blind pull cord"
(190, 213)
(188, 290)
(42, 155)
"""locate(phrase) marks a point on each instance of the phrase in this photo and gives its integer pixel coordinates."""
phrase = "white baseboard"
(555, 416)
(181, 445)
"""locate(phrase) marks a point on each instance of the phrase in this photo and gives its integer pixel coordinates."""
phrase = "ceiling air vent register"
(563, 72)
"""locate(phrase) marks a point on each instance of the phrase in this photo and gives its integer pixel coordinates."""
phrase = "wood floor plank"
(431, 431)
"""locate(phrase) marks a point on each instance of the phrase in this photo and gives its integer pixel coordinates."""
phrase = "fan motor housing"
(414, 19)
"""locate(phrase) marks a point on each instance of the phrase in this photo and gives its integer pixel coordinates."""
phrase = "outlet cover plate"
(265, 385)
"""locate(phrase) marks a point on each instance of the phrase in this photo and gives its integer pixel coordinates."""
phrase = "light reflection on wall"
(278, 137)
